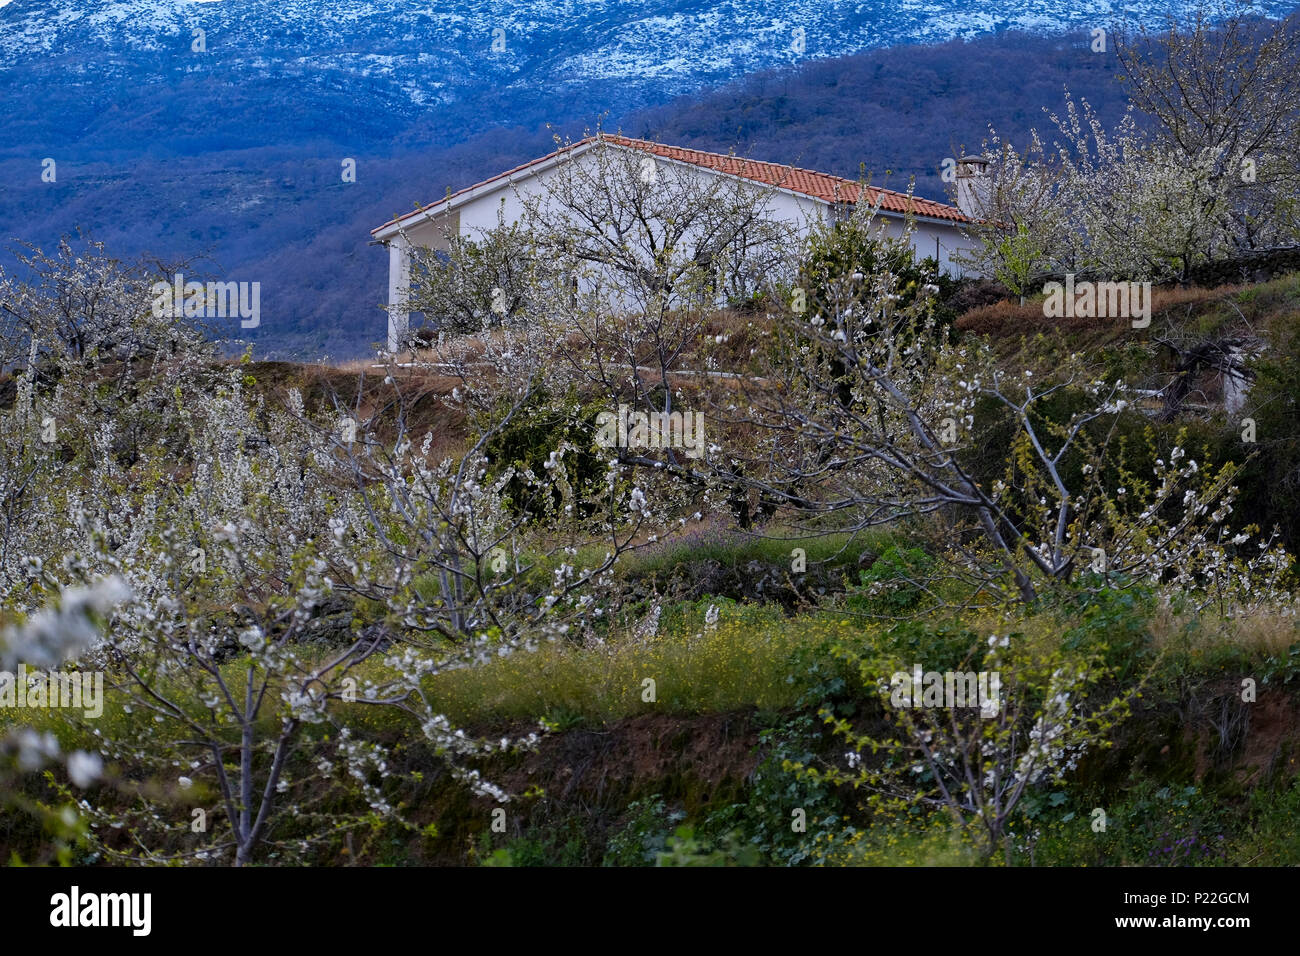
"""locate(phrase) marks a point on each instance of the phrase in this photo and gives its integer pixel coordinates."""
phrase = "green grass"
(748, 660)
(742, 663)
(774, 547)
(730, 549)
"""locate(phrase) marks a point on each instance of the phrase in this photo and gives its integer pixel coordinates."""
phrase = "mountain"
(374, 61)
(228, 143)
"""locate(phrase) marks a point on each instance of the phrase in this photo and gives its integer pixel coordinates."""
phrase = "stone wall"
(1253, 267)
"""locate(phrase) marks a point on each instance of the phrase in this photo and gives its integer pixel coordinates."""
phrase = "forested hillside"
(898, 113)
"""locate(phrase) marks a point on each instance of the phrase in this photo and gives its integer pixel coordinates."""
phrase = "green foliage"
(526, 444)
(766, 819)
(1019, 259)
(1282, 668)
(1113, 623)
(1269, 835)
(685, 849)
(55, 829)
(645, 834)
(894, 583)
(856, 247)
(1150, 825)
(564, 845)
(942, 644)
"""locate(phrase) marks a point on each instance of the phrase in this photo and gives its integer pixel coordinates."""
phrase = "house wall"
(432, 234)
(483, 213)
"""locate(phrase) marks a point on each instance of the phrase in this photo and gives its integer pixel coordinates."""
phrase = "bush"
(526, 444)
(645, 834)
(855, 247)
(895, 582)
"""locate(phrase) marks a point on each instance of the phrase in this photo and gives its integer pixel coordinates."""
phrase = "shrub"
(841, 263)
(895, 582)
(527, 443)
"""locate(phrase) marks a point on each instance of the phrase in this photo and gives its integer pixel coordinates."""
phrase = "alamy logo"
(36, 689)
(950, 689)
(215, 300)
(628, 429)
(74, 909)
(1101, 300)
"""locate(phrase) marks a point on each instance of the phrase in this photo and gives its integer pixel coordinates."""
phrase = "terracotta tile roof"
(806, 182)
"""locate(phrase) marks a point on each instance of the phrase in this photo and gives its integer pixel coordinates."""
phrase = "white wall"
(483, 213)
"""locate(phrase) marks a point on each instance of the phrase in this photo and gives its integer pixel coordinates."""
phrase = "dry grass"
(419, 382)
(364, 394)
(1261, 634)
(1010, 318)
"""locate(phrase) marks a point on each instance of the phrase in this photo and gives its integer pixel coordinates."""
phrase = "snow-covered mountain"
(420, 54)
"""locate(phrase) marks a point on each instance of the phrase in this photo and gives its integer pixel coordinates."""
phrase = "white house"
(799, 197)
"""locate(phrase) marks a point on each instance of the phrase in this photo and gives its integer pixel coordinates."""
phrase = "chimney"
(972, 186)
